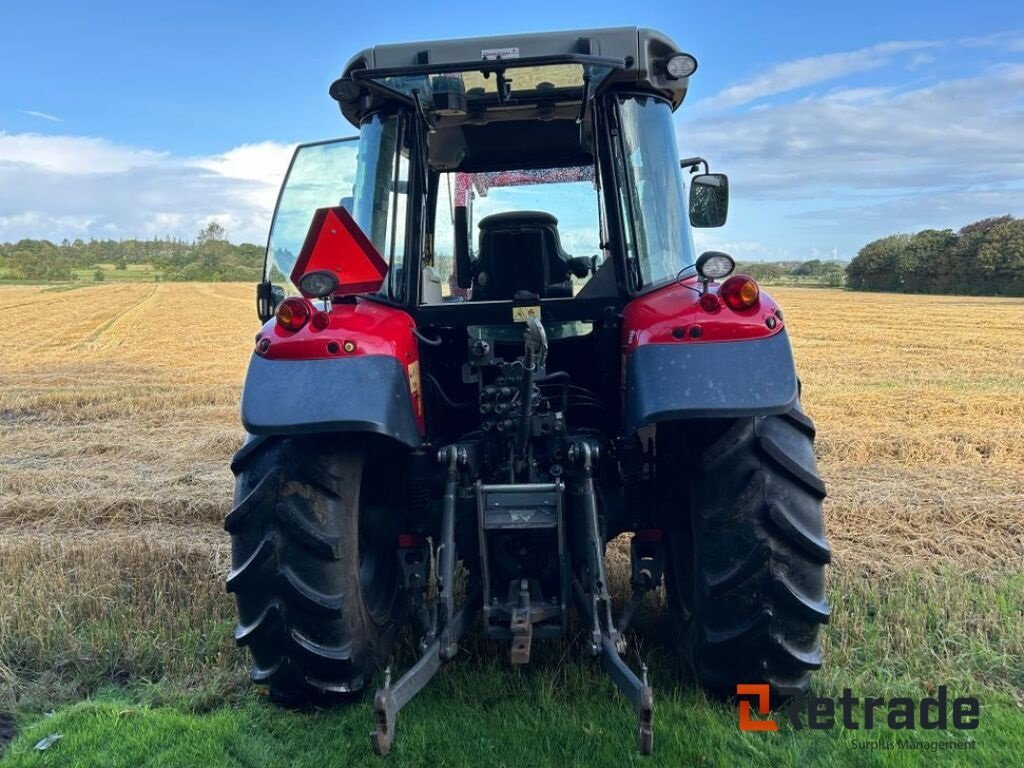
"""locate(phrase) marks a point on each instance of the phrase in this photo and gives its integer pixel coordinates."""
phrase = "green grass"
(134, 273)
(83, 276)
(477, 718)
(901, 634)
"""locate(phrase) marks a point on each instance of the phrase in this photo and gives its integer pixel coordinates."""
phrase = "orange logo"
(761, 691)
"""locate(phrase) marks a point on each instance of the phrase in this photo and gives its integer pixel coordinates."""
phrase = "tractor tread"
(813, 546)
(312, 599)
(801, 421)
(249, 452)
(263, 675)
(264, 490)
(246, 634)
(793, 597)
(295, 575)
(303, 531)
(775, 450)
(249, 570)
(751, 594)
(750, 499)
(805, 659)
(733, 440)
(719, 582)
(322, 652)
(742, 632)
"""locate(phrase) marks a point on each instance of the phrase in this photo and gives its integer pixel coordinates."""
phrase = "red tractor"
(494, 344)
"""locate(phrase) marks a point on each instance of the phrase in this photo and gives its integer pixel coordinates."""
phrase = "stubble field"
(118, 417)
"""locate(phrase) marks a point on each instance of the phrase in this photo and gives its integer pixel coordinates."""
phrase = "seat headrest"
(518, 219)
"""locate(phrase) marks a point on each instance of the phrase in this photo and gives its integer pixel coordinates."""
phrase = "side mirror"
(268, 296)
(709, 199)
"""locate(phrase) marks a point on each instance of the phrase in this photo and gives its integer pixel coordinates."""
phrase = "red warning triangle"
(337, 244)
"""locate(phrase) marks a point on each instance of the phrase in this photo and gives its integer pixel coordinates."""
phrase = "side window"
(397, 209)
(443, 240)
(320, 175)
(381, 195)
(654, 199)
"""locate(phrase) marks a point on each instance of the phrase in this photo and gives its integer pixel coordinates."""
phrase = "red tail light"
(739, 292)
(293, 313)
(710, 303)
(320, 321)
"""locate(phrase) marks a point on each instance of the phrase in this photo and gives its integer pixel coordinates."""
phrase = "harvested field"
(118, 417)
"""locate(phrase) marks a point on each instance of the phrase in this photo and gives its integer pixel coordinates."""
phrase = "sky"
(836, 122)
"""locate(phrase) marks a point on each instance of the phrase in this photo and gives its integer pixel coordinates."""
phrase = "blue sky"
(836, 122)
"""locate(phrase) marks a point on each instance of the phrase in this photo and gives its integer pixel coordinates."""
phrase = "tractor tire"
(746, 559)
(315, 570)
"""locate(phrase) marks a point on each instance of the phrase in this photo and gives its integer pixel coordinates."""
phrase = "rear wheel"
(747, 549)
(314, 566)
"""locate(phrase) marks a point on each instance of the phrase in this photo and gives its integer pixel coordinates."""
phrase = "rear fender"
(360, 373)
(682, 361)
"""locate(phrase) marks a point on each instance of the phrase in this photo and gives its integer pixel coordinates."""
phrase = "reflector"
(336, 244)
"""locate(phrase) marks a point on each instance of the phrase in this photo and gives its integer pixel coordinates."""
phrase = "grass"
(118, 415)
(84, 276)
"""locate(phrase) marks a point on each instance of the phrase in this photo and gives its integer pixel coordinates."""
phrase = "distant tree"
(1000, 259)
(212, 232)
(923, 253)
(985, 257)
(807, 268)
(960, 271)
(878, 265)
(209, 257)
(762, 271)
(99, 276)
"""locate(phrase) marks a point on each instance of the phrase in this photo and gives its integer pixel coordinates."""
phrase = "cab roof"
(540, 65)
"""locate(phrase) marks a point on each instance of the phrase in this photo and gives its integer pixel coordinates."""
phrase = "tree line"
(210, 257)
(818, 272)
(984, 258)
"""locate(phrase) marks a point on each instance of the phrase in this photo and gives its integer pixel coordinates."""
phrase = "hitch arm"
(389, 700)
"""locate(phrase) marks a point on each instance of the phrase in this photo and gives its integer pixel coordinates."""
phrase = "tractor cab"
(528, 176)
(534, 167)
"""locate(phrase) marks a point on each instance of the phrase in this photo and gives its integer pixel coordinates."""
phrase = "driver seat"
(520, 251)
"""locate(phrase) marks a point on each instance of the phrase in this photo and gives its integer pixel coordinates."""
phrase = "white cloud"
(41, 115)
(813, 70)
(74, 155)
(74, 186)
(1008, 40)
(954, 134)
(921, 60)
(741, 250)
(838, 168)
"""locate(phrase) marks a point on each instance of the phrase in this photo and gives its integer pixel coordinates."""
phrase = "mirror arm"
(693, 163)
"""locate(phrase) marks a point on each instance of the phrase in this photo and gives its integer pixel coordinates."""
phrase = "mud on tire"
(746, 549)
(314, 567)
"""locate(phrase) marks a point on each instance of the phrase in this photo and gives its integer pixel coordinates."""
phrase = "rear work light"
(739, 292)
(293, 313)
